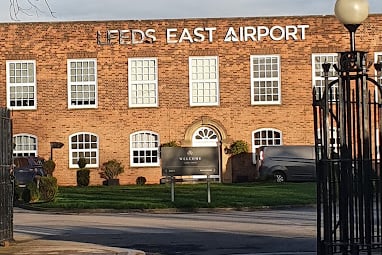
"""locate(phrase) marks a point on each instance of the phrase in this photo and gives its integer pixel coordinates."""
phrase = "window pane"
(84, 145)
(21, 84)
(25, 145)
(265, 79)
(144, 148)
(82, 82)
(143, 82)
(266, 137)
(318, 74)
(204, 81)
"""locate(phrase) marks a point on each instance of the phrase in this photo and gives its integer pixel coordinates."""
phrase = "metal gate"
(348, 132)
(6, 184)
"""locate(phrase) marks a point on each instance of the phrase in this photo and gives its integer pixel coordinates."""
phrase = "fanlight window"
(205, 137)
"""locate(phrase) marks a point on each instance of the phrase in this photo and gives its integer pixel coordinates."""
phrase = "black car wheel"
(279, 176)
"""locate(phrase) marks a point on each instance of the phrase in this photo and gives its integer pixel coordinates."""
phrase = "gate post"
(6, 183)
(349, 192)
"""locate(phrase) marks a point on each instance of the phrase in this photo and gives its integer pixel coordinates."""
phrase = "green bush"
(33, 191)
(49, 166)
(17, 193)
(141, 180)
(48, 188)
(238, 147)
(27, 194)
(170, 144)
(82, 163)
(111, 169)
(83, 177)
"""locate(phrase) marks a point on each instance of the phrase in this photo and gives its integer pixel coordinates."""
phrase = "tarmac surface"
(30, 243)
(25, 244)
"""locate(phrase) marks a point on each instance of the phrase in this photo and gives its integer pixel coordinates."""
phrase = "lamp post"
(352, 13)
(349, 209)
(55, 145)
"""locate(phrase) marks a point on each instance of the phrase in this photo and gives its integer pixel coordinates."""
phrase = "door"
(206, 137)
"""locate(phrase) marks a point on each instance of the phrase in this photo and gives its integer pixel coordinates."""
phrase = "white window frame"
(265, 140)
(90, 78)
(144, 146)
(205, 137)
(204, 80)
(84, 149)
(145, 76)
(22, 86)
(332, 132)
(377, 152)
(330, 58)
(29, 145)
(377, 58)
(273, 77)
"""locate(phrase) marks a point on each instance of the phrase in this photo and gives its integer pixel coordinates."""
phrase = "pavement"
(28, 244)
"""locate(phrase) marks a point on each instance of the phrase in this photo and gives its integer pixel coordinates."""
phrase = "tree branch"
(19, 8)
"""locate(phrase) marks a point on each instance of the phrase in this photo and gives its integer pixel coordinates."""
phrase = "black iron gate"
(6, 184)
(348, 132)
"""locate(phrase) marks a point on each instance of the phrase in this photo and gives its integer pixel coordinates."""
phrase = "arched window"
(334, 139)
(83, 145)
(25, 145)
(144, 149)
(318, 77)
(263, 137)
(204, 137)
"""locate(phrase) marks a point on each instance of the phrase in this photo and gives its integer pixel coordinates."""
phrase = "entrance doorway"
(206, 137)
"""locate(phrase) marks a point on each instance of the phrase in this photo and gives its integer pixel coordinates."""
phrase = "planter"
(111, 182)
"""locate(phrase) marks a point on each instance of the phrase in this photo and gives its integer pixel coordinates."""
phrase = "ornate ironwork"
(348, 134)
(6, 183)
(351, 61)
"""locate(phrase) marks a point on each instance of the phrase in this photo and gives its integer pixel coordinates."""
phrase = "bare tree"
(19, 8)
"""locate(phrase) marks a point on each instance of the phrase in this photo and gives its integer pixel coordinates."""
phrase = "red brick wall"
(51, 44)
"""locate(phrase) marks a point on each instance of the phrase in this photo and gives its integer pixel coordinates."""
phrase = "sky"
(93, 10)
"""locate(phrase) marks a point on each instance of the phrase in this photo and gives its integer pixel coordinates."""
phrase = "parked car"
(286, 163)
(26, 169)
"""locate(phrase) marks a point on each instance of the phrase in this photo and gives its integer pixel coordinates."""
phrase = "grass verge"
(187, 197)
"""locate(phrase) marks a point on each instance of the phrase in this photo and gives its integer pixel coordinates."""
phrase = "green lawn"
(187, 196)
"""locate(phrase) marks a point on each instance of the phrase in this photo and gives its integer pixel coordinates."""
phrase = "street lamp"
(55, 145)
(351, 13)
(349, 219)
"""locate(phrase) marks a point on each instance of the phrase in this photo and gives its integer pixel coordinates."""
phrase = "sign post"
(189, 161)
(172, 189)
(208, 189)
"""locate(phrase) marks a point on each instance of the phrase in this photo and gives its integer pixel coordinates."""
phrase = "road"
(219, 233)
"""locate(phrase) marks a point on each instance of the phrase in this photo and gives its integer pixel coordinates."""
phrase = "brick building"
(119, 89)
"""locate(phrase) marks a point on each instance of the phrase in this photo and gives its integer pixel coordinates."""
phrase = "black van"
(286, 163)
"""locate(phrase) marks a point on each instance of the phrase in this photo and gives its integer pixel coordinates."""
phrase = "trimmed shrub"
(83, 177)
(82, 163)
(48, 188)
(26, 195)
(29, 193)
(170, 144)
(238, 147)
(34, 194)
(17, 193)
(141, 180)
(111, 169)
(49, 166)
